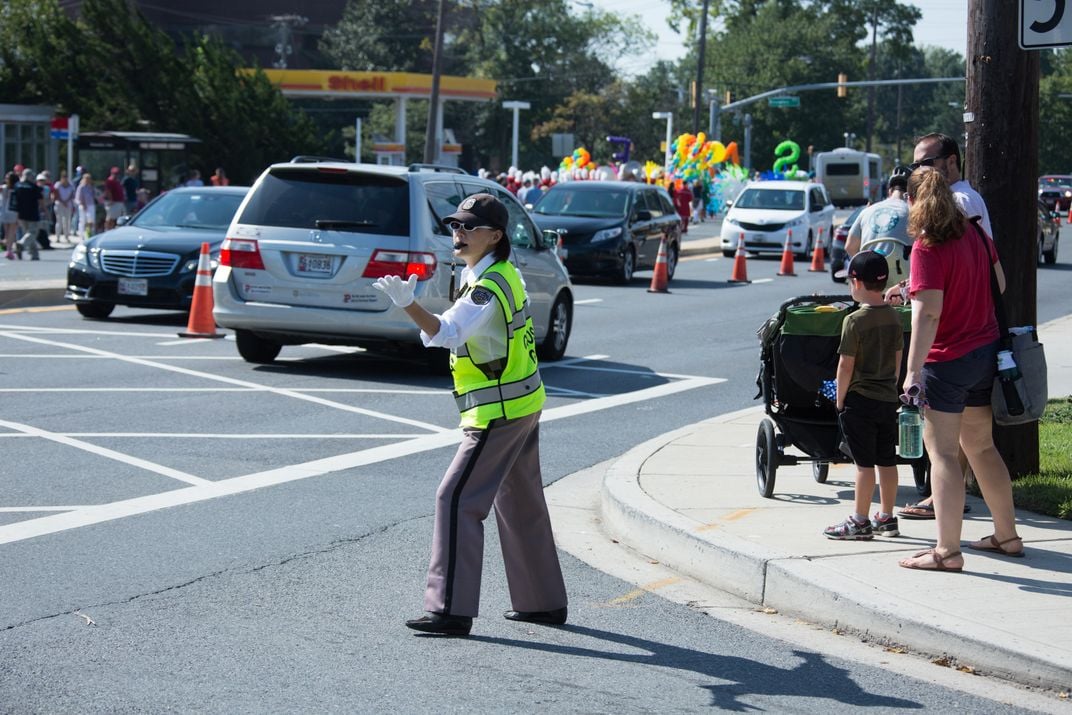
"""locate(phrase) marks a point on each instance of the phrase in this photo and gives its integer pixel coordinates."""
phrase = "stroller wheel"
(767, 455)
(820, 471)
(921, 473)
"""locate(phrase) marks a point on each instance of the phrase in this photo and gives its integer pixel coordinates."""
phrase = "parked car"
(150, 260)
(1049, 234)
(1054, 190)
(313, 236)
(838, 257)
(611, 228)
(766, 211)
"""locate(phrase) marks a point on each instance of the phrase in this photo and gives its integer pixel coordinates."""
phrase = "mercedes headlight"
(78, 256)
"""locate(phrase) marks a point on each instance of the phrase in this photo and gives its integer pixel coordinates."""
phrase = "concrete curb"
(805, 587)
(27, 294)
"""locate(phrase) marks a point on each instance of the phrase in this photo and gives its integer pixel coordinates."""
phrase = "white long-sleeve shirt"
(482, 324)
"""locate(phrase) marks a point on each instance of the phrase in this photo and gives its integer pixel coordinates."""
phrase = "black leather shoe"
(442, 624)
(552, 618)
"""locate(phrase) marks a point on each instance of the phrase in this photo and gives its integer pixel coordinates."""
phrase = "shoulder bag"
(1030, 385)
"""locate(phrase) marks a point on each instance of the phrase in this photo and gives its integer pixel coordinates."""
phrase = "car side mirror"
(122, 220)
(643, 215)
(550, 239)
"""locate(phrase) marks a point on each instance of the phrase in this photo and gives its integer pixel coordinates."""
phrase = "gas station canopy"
(326, 84)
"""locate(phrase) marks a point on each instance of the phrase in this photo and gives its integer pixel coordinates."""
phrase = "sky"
(944, 24)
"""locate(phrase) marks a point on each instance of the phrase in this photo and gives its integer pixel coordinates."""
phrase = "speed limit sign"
(1045, 23)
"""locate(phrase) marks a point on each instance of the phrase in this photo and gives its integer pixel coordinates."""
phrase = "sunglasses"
(928, 161)
(459, 226)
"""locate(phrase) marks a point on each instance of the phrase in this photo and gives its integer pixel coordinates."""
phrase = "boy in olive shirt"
(871, 343)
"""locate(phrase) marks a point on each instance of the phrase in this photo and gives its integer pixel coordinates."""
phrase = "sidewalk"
(35, 283)
(689, 499)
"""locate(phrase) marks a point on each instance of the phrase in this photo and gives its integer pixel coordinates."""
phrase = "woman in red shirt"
(952, 356)
(682, 196)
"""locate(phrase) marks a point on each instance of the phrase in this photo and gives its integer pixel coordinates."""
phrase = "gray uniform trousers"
(500, 465)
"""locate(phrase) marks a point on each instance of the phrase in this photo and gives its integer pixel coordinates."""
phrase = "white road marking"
(186, 341)
(588, 301)
(108, 453)
(763, 280)
(228, 380)
(55, 523)
(27, 509)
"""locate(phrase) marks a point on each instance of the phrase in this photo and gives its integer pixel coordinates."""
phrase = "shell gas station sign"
(381, 85)
(397, 86)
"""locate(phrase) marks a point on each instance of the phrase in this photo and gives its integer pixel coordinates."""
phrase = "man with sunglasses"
(500, 395)
(943, 153)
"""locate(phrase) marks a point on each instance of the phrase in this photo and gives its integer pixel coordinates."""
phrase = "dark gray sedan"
(150, 260)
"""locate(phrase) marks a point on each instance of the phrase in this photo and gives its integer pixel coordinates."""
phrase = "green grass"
(1050, 491)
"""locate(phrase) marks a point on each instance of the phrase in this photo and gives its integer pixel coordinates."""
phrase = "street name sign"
(784, 101)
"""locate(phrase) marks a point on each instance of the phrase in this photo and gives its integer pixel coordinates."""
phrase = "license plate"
(133, 286)
(308, 263)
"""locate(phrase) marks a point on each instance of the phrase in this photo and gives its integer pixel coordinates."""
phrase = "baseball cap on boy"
(481, 210)
(866, 266)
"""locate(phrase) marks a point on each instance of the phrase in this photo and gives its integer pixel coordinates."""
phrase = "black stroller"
(798, 359)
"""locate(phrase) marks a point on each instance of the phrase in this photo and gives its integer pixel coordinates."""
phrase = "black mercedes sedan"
(150, 260)
(610, 228)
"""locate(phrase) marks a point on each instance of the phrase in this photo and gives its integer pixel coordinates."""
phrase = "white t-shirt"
(972, 204)
(887, 218)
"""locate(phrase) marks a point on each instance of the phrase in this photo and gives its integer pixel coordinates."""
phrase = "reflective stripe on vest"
(509, 387)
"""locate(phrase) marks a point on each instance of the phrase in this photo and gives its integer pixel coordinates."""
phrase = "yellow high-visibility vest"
(509, 386)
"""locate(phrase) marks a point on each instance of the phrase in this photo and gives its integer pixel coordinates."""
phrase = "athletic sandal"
(997, 547)
(938, 561)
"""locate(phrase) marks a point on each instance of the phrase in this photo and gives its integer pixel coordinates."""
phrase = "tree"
(119, 72)
(383, 36)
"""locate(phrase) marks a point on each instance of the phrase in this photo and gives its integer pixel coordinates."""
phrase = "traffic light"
(842, 90)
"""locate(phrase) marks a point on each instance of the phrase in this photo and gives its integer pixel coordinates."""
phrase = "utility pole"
(431, 138)
(1002, 102)
(696, 99)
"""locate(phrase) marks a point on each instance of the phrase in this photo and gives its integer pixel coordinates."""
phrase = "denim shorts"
(963, 382)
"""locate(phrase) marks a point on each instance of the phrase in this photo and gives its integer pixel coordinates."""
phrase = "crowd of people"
(34, 208)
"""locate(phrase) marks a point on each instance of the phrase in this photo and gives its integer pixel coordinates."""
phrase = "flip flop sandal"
(998, 547)
(917, 511)
(922, 511)
(938, 561)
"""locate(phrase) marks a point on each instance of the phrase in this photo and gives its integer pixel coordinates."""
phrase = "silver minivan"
(313, 235)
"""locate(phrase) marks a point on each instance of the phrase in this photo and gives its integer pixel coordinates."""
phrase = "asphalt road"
(180, 530)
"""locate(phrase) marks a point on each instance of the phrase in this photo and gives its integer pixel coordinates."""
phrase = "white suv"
(313, 235)
(765, 211)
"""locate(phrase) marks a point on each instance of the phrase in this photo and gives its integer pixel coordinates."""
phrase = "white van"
(852, 178)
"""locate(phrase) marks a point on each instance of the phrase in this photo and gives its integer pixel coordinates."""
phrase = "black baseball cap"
(481, 210)
(866, 266)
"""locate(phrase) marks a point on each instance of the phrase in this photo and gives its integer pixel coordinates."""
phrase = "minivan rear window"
(842, 170)
(345, 201)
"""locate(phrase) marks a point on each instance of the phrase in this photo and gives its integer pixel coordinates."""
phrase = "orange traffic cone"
(740, 270)
(1070, 213)
(661, 276)
(818, 258)
(787, 256)
(201, 324)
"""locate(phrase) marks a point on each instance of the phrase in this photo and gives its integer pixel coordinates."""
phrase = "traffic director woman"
(953, 357)
(499, 394)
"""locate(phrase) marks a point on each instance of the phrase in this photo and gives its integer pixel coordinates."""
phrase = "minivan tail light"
(241, 253)
(400, 263)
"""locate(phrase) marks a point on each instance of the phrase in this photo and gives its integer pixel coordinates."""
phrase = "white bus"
(852, 178)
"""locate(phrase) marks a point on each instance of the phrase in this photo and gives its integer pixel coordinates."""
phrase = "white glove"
(398, 290)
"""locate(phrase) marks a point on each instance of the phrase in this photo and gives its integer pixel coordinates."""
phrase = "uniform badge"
(467, 204)
(482, 296)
